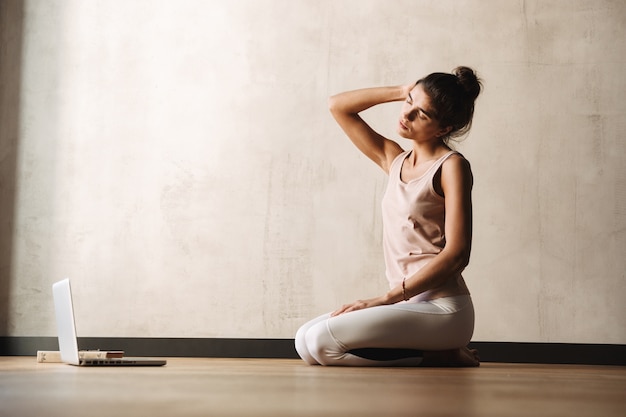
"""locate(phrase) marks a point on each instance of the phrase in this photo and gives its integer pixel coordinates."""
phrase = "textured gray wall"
(176, 160)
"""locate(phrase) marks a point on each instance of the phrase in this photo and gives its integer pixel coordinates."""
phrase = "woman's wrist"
(393, 296)
(402, 92)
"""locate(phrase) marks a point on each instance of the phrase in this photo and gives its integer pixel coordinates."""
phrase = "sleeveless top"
(413, 221)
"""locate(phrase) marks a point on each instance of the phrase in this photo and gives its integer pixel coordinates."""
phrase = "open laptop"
(68, 343)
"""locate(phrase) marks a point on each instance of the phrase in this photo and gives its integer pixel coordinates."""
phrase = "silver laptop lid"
(66, 328)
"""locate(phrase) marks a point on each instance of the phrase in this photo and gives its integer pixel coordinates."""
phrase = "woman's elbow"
(332, 103)
(464, 261)
(460, 259)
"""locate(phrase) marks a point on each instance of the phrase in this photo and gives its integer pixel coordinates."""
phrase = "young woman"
(427, 317)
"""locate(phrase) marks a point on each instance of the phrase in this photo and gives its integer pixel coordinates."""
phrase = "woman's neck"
(424, 152)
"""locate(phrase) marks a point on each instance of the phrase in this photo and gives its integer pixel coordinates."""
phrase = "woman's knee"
(302, 348)
(322, 346)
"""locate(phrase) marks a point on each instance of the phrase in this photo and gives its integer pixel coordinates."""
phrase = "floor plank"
(275, 387)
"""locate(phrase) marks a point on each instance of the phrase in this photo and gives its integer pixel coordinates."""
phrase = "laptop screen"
(66, 328)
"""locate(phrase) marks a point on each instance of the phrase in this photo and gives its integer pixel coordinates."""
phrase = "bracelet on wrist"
(404, 297)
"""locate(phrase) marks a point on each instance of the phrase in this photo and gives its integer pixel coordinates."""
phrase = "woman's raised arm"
(345, 108)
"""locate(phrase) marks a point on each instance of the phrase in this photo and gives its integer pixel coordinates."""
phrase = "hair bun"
(468, 80)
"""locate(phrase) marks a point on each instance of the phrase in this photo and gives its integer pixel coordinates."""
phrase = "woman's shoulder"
(456, 158)
(457, 166)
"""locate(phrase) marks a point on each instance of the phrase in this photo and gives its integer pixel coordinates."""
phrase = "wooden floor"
(271, 387)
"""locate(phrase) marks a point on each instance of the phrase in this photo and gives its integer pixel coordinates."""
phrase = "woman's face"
(417, 120)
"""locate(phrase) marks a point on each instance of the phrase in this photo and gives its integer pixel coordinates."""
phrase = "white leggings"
(390, 335)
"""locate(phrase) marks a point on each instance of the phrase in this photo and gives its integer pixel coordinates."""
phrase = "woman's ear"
(444, 131)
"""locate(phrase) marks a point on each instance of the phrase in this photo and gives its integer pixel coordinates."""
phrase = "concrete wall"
(176, 160)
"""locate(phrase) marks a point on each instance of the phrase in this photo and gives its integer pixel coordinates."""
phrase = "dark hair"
(452, 98)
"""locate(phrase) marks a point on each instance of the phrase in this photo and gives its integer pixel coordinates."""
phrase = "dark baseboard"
(169, 347)
(508, 352)
(551, 353)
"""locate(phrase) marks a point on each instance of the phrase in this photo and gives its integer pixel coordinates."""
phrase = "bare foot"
(462, 357)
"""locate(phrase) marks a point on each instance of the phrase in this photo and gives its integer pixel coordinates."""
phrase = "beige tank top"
(413, 221)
